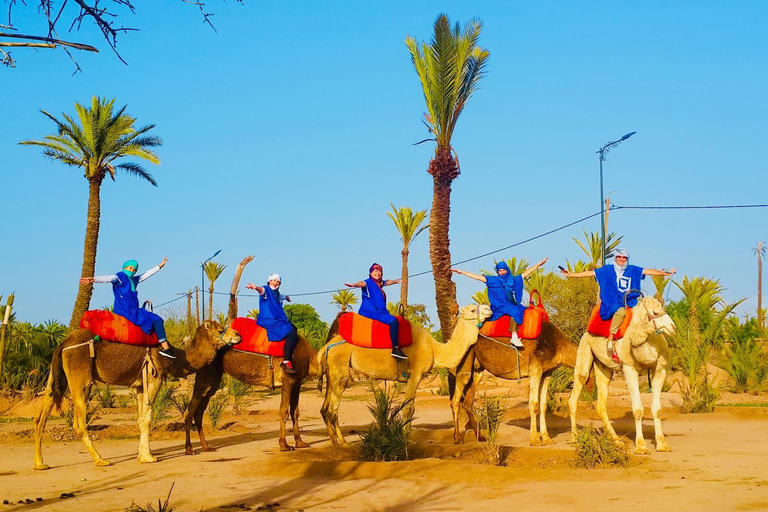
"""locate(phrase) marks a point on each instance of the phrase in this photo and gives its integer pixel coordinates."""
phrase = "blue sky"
(289, 132)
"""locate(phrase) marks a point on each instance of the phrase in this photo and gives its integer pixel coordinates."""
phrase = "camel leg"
(469, 400)
(282, 414)
(545, 439)
(584, 359)
(409, 398)
(80, 404)
(145, 399)
(463, 377)
(533, 402)
(207, 382)
(295, 394)
(603, 380)
(335, 386)
(659, 375)
(633, 383)
(40, 420)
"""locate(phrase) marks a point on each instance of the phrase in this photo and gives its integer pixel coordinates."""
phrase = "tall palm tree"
(409, 226)
(760, 251)
(593, 247)
(344, 299)
(94, 142)
(450, 68)
(213, 270)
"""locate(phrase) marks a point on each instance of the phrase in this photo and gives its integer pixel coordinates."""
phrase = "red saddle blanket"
(533, 318)
(365, 332)
(600, 327)
(253, 338)
(112, 327)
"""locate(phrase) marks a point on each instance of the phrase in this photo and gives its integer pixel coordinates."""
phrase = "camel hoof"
(642, 450)
(41, 467)
(547, 440)
(147, 459)
(209, 449)
(536, 441)
(103, 462)
(663, 447)
(190, 451)
(302, 444)
(286, 448)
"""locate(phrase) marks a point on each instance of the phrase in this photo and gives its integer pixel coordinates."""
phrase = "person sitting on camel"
(614, 281)
(505, 293)
(127, 300)
(374, 304)
(273, 319)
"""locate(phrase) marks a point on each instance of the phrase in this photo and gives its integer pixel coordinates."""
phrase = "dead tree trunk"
(232, 313)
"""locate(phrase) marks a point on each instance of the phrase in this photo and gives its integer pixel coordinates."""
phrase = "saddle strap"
(90, 346)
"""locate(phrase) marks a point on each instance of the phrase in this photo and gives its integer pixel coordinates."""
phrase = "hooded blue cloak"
(505, 293)
(127, 303)
(375, 303)
(272, 316)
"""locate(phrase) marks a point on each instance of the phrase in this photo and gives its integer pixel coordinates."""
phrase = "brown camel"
(120, 364)
(258, 370)
(537, 360)
(337, 357)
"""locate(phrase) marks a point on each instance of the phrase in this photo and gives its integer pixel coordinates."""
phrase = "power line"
(705, 207)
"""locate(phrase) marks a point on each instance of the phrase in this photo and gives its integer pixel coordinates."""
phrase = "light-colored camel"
(642, 348)
(537, 360)
(257, 370)
(337, 357)
(120, 364)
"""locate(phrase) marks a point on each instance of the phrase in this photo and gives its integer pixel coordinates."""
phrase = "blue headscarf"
(507, 281)
(134, 264)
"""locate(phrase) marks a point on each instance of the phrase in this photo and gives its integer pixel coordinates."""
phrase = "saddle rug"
(530, 329)
(253, 338)
(365, 332)
(112, 327)
(600, 327)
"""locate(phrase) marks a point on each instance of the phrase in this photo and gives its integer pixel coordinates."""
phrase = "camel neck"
(450, 354)
(201, 353)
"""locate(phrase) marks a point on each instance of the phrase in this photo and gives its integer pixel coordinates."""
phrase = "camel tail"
(58, 379)
(321, 371)
(451, 385)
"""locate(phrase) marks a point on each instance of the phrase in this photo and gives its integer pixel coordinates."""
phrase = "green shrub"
(489, 414)
(443, 389)
(161, 506)
(387, 437)
(596, 448)
(239, 390)
(561, 378)
(124, 400)
(181, 400)
(216, 408)
(105, 396)
(162, 404)
(91, 412)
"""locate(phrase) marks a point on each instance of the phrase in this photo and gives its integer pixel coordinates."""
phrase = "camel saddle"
(365, 332)
(253, 338)
(109, 326)
(599, 327)
(530, 329)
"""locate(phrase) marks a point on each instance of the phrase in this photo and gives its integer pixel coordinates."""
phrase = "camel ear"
(207, 324)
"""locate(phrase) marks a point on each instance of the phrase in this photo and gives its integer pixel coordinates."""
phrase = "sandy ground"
(718, 463)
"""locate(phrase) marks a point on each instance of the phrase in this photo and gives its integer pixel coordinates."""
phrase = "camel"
(258, 370)
(642, 348)
(537, 360)
(120, 364)
(337, 357)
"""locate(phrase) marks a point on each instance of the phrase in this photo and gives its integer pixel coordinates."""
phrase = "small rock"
(28, 501)
(20, 501)
(275, 504)
(6, 502)
(38, 499)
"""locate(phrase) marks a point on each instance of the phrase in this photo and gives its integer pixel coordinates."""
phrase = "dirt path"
(718, 463)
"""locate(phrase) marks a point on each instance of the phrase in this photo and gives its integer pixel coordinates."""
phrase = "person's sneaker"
(396, 352)
(167, 352)
(287, 367)
(515, 340)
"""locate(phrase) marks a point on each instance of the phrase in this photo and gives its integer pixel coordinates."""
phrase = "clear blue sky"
(289, 132)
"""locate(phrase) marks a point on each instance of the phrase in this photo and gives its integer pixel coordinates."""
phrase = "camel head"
(218, 335)
(658, 319)
(476, 312)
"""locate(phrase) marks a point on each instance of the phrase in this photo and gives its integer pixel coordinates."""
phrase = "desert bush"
(239, 391)
(91, 412)
(561, 378)
(162, 403)
(181, 400)
(489, 414)
(216, 409)
(743, 356)
(105, 395)
(596, 448)
(387, 437)
(123, 400)
(690, 355)
(443, 389)
(161, 506)
(29, 350)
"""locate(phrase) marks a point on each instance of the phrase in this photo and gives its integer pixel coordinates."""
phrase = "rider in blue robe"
(273, 319)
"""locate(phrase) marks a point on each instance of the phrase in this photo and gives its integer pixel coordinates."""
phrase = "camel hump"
(109, 326)
(365, 332)
(253, 338)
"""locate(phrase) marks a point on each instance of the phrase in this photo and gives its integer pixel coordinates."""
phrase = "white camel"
(642, 348)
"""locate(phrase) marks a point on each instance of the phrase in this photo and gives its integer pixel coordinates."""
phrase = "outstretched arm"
(359, 284)
(534, 268)
(470, 275)
(152, 271)
(392, 281)
(654, 272)
(100, 279)
(586, 273)
(259, 289)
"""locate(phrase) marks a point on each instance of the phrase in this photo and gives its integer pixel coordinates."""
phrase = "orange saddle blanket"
(533, 318)
(254, 338)
(364, 332)
(600, 327)
(105, 324)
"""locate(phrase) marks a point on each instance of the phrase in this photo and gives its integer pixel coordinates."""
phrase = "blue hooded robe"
(375, 303)
(505, 293)
(127, 303)
(612, 289)
(272, 317)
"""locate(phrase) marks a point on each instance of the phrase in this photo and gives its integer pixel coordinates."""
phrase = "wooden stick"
(77, 46)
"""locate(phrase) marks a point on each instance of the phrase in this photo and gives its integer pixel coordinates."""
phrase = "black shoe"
(287, 367)
(396, 352)
(167, 352)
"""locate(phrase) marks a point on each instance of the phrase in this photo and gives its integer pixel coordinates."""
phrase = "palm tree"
(660, 282)
(409, 226)
(449, 68)
(93, 143)
(213, 270)
(344, 299)
(593, 247)
(701, 292)
(759, 251)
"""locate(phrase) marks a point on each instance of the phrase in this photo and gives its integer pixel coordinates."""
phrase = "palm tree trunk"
(443, 170)
(197, 304)
(210, 301)
(760, 314)
(84, 293)
(404, 278)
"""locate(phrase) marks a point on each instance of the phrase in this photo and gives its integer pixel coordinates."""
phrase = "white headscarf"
(620, 268)
(272, 277)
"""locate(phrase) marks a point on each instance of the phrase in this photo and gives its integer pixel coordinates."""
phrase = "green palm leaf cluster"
(213, 271)
(409, 225)
(593, 248)
(345, 299)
